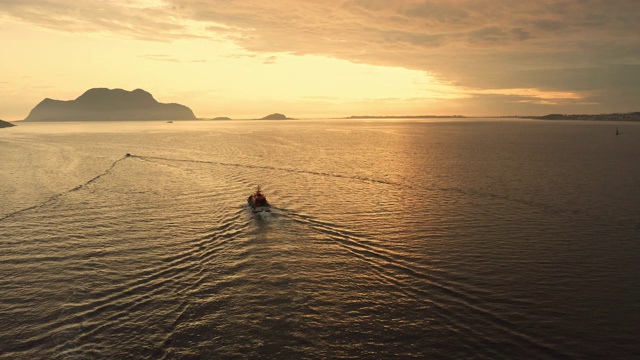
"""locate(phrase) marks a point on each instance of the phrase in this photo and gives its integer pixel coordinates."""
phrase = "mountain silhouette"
(275, 116)
(101, 104)
(4, 124)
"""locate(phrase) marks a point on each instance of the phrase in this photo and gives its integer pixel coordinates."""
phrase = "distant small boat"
(258, 201)
(169, 122)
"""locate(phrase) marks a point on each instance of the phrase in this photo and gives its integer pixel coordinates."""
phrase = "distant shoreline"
(630, 116)
(406, 117)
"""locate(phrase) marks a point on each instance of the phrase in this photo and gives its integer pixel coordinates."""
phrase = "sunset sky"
(327, 58)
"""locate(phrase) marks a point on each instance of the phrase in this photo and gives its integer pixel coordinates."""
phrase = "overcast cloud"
(587, 47)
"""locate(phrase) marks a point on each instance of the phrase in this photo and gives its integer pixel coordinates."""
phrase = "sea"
(387, 239)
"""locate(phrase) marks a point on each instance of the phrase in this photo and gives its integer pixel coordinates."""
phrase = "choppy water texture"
(388, 239)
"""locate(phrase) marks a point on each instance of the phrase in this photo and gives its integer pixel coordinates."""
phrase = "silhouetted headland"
(275, 116)
(101, 104)
(4, 124)
(631, 116)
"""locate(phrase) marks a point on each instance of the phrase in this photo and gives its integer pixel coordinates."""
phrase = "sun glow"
(213, 77)
(534, 93)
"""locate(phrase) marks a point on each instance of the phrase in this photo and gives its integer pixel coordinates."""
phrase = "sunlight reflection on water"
(447, 239)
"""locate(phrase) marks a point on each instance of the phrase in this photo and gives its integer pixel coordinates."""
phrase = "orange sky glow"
(327, 58)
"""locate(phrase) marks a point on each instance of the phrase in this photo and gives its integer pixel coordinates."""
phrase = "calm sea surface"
(481, 239)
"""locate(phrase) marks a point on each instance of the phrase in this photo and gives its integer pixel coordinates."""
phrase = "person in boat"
(259, 199)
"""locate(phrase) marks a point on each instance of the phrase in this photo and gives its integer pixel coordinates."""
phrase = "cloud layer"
(567, 52)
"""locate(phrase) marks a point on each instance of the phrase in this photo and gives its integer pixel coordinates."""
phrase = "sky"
(327, 58)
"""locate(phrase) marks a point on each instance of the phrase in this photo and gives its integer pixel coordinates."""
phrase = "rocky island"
(4, 124)
(101, 104)
(275, 116)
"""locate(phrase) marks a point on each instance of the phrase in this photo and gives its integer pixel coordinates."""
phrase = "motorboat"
(258, 201)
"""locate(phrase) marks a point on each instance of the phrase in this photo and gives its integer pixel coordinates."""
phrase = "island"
(275, 116)
(5, 124)
(101, 104)
(221, 118)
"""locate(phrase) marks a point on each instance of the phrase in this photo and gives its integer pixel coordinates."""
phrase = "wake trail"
(540, 206)
(180, 273)
(264, 167)
(60, 194)
(393, 269)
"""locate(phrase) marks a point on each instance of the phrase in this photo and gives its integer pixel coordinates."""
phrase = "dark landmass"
(632, 116)
(4, 124)
(275, 116)
(101, 104)
(222, 118)
(407, 117)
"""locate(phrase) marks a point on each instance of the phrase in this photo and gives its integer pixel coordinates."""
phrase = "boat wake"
(540, 206)
(543, 207)
(450, 300)
(53, 198)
